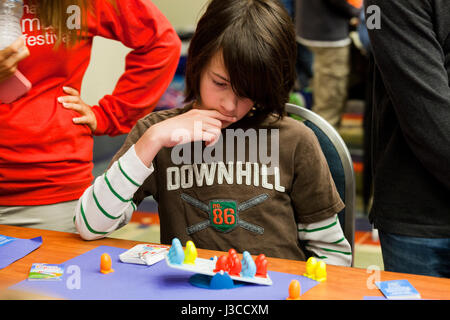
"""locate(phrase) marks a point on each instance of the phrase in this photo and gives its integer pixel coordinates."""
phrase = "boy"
(222, 195)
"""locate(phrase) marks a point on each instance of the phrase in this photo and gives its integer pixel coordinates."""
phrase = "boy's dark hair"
(257, 40)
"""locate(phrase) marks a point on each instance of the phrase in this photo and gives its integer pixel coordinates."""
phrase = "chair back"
(339, 162)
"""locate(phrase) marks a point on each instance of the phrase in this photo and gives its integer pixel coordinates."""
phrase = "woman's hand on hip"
(73, 101)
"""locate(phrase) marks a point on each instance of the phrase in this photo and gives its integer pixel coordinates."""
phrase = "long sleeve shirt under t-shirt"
(44, 157)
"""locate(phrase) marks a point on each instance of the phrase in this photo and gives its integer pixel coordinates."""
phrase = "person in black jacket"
(323, 27)
(411, 135)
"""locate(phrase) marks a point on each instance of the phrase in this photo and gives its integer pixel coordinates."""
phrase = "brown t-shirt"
(230, 195)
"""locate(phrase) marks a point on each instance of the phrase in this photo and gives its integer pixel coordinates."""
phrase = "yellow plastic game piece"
(321, 272)
(311, 265)
(190, 253)
(294, 290)
(105, 264)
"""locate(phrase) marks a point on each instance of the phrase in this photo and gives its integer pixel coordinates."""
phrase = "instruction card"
(398, 289)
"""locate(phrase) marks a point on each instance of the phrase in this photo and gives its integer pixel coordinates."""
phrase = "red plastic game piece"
(235, 269)
(230, 262)
(260, 258)
(232, 255)
(222, 264)
(261, 266)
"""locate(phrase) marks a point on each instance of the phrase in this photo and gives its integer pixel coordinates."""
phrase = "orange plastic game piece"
(294, 290)
(106, 264)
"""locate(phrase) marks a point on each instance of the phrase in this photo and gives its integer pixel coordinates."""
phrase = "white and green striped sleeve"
(107, 205)
(326, 241)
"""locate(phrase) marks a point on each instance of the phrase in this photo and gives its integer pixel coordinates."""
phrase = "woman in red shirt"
(46, 136)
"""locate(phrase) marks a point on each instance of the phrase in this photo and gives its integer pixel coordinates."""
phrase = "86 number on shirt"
(226, 216)
(223, 214)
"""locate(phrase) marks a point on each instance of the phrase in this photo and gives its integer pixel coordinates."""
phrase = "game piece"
(320, 272)
(221, 264)
(176, 253)
(311, 265)
(261, 266)
(294, 290)
(106, 264)
(248, 265)
(230, 262)
(190, 254)
(236, 267)
(259, 258)
(232, 255)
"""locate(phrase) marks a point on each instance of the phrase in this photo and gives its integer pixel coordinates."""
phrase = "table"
(343, 283)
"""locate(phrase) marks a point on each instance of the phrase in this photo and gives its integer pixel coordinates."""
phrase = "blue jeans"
(423, 256)
(303, 65)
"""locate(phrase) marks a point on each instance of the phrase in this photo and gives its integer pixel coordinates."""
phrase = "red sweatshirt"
(44, 157)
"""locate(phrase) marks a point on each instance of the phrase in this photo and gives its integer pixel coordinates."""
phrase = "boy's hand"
(10, 58)
(194, 125)
(74, 102)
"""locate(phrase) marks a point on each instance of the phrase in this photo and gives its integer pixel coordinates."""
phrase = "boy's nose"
(229, 105)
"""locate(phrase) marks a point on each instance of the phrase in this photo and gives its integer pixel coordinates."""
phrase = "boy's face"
(216, 92)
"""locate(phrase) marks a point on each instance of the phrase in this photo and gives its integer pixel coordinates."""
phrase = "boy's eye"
(219, 84)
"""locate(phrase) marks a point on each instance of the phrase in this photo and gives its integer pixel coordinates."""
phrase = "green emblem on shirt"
(223, 215)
